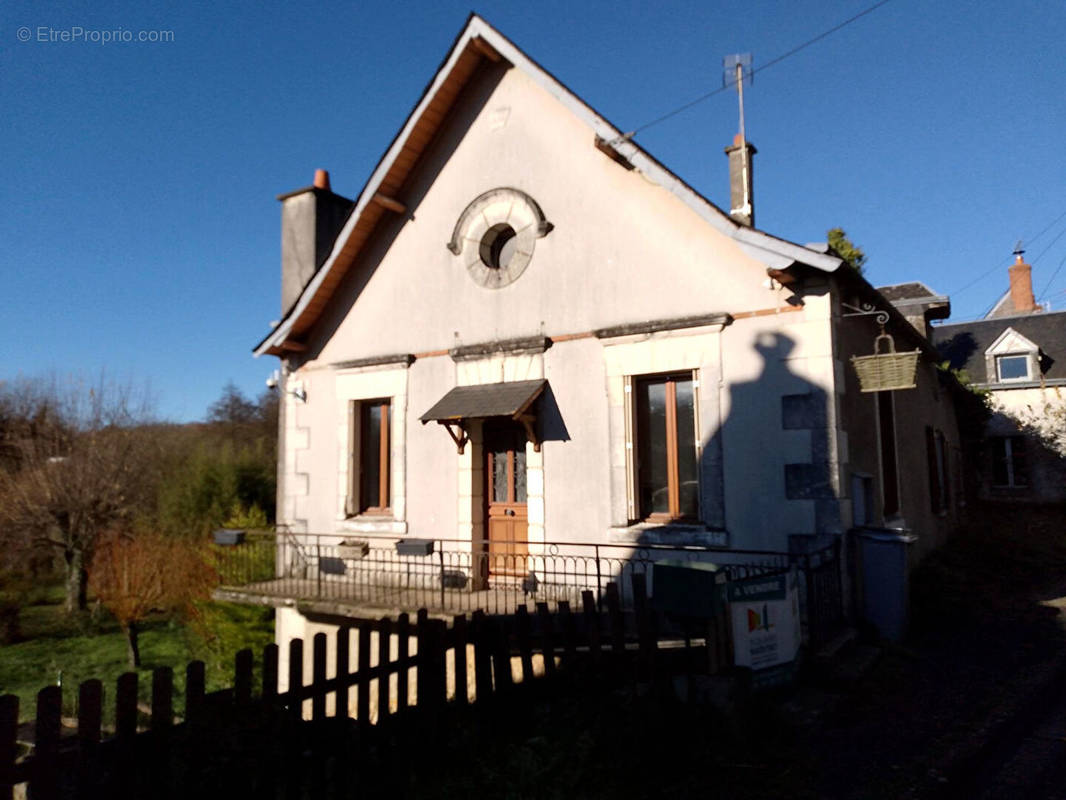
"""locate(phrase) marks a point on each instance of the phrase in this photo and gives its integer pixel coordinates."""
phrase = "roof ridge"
(774, 251)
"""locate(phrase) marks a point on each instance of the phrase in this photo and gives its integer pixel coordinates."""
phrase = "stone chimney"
(741, 193)
(1021, 286)
(311, 218)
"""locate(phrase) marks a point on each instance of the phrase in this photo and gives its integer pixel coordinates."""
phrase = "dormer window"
(1012, 358)
(1012, 367)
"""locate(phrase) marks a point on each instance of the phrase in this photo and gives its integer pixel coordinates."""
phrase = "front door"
(505, 491)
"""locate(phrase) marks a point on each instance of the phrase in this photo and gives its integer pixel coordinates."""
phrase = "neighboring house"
(525, 331)
(1017, 354)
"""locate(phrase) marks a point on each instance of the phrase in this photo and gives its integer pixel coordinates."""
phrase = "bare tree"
(75, 460)
(134, 575)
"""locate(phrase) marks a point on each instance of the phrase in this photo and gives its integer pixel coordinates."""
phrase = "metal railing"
(456, 575)
(822, 606)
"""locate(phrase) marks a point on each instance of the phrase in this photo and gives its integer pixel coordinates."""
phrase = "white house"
(1017, 355)
(526, 335)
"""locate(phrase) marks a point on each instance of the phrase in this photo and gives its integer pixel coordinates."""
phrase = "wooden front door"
(505, 492)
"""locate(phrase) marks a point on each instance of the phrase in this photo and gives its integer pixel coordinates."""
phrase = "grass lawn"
(56, 647)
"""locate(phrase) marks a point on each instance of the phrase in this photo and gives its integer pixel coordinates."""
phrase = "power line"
(980, 277)
(1053, 274)
(767, 65)
(1050, 244)
(1006, 261)
(1049, 227)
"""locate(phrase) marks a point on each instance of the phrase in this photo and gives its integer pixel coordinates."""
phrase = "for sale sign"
(766, 623)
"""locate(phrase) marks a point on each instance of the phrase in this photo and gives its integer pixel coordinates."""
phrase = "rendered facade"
(526, 332)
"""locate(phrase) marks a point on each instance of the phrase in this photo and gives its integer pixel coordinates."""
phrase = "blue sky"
(141, 232)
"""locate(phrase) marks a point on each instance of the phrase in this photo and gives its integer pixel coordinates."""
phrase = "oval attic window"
(498, 246)
(496, 234)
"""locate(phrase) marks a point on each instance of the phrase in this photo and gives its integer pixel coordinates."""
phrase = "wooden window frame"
(360, 410)
(512, 477)
(673, 479)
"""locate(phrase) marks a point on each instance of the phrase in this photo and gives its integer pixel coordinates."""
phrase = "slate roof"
(964, 343)
(486, 400)
(906, 291)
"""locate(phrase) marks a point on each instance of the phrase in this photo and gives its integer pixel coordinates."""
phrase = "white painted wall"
(622, 251)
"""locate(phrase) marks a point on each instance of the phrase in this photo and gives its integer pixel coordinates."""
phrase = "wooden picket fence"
(280, 743)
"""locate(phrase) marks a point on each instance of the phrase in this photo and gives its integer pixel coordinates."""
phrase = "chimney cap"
(739, 143)
(322, 179)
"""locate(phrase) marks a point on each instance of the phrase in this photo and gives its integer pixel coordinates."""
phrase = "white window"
(1012, 367)
(1012, 358)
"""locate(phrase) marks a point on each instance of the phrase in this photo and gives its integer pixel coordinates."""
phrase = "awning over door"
(514, 400)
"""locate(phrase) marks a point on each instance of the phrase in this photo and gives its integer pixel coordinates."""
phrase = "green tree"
(223, 469)
(853, 255)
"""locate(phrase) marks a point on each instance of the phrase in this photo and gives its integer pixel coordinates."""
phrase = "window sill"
(371, 523)
(669, 533)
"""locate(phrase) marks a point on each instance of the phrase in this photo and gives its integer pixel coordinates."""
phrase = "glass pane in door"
(651, 443)
(687, 472)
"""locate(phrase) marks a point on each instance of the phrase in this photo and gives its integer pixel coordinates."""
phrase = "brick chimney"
(741, 191)
(1021, 286)
(311, 218)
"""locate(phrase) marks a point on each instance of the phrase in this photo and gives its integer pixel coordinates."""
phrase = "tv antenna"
(736, 70)
(1018, 248)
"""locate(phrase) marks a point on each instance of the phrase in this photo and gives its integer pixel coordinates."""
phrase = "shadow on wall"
(768, 415)
(552, 426)
(958, 349)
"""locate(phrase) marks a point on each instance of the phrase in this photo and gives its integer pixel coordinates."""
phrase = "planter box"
(228, 536)
(414, 547)
(453, 579)
(354, 549)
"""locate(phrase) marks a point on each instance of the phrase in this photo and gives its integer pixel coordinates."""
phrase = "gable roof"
(964, 344)
(1002, 307)
(479, 42)
(1010, 341)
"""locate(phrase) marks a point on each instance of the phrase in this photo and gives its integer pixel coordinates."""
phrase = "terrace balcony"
(368, 576)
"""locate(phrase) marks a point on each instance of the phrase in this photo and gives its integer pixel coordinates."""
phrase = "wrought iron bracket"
(866, 310)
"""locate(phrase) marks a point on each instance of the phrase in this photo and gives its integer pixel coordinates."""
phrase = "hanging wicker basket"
(888, 371)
